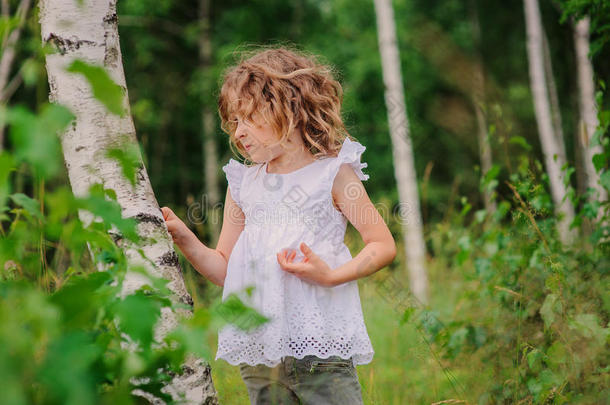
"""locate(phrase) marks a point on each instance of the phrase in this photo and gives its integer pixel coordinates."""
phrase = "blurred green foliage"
(65, 331)
(530, 314)
(533, 311)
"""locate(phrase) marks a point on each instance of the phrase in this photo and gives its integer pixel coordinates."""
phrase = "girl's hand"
(312, 268)
(177, 229)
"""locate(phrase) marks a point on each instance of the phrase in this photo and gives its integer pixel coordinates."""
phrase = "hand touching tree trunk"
(88, 32)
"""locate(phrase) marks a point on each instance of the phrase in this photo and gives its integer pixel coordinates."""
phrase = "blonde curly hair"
(289, 89)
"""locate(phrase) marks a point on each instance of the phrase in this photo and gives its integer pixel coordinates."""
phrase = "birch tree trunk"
(553, 156)
(478, 99)
(588, 110)
(210, 157)
(89, 32)
(553, 98)
(402, 151)
(8, 56)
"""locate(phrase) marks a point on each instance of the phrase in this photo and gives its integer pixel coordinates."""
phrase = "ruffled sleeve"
(235, 173)
(350, 153)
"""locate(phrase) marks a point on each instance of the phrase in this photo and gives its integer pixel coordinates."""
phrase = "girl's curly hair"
(290, 90)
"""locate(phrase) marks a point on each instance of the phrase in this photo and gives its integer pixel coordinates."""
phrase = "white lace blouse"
(281, 211)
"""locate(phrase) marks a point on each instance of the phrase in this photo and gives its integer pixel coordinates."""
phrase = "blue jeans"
(307, 381)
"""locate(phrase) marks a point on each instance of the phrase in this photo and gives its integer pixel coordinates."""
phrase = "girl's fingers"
(287, 255)
(285, 264)
(167, 213)
(281, 258)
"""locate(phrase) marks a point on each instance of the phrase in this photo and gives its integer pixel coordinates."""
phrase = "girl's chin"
(255, 159)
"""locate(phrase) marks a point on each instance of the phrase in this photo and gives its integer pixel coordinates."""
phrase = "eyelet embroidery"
(306, 319)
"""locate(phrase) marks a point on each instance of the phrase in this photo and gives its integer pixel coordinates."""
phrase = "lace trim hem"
(358, 358)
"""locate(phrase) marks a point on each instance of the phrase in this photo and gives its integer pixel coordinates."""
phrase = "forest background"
(514, 316)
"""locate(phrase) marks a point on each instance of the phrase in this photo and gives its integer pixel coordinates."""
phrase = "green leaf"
(599, 161)
(129, 158)
(67, 370)
(590, 208)
(138, 313)
(407, 315)
(557, 354)
(550, 307)
(30, 205)
(6, 166)
(158, 284)
(104, 88)
(100, 203)
(35, 137)
(81, 298)
(534, 386)
(521, 141)
(464, 249)
(588, 325)
(483, 268)
(605, 179)
(233, 310)
(30, 70)
(477, 336)
(534, 359)
(457, 339)
(480, 215)
(489, 182)
(191, 340)
(549, 379)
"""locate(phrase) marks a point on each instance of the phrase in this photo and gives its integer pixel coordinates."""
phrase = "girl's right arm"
(211, 263)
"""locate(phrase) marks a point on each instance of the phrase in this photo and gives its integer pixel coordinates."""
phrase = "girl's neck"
(294, 158)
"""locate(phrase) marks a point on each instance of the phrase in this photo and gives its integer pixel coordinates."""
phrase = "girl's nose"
(240, 131)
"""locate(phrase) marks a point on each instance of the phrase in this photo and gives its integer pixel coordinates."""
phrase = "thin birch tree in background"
(8, 55)
(588, 110)
(402, 152)
(553, 97)
(88, 33)
(478, 99)
(554, 159)
(210, 156)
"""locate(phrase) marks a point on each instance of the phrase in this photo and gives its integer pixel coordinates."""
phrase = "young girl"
(281, 248)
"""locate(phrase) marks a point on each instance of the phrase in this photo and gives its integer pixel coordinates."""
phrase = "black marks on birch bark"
(148, 218)
(111, 52)
(65, 45)
(170, 258)
(111, 18)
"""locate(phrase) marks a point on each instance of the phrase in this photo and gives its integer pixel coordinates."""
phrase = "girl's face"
(258, 139)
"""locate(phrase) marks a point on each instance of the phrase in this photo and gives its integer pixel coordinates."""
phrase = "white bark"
(478, 99)
(8, 55)
(553, 98)
(89, 32)
(8, 48)
(553, 156)
(485, 155)
(588, 109)
(210, 156)
(402, 151)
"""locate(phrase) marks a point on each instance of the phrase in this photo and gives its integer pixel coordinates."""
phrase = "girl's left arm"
(380, 248)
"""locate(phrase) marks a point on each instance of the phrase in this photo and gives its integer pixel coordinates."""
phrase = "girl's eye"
(245, 121)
